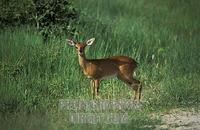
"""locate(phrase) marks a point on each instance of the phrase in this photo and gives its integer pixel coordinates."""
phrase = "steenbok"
(97, 69)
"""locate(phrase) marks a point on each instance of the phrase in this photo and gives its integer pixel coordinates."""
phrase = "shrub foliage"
(51, 17)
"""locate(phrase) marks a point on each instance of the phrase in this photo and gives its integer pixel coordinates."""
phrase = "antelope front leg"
(96, 82)
(92, 88)
(135, 95)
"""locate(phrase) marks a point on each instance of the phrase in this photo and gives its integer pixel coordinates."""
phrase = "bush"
(50, 17)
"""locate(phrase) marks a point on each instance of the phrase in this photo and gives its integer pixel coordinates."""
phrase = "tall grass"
(163, 36)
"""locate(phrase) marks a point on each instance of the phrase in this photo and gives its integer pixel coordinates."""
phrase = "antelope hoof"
(98, 97)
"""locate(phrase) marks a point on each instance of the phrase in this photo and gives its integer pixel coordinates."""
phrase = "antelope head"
(80, 46)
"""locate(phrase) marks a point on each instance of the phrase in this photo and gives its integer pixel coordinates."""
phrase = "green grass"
(163, 36)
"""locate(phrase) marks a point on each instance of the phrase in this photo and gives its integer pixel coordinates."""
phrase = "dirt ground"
(177, 119)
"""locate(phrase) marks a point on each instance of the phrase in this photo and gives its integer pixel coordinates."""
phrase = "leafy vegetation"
(52, 18)
(163, 36)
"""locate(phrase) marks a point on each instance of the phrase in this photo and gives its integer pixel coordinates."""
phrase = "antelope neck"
(82, 60)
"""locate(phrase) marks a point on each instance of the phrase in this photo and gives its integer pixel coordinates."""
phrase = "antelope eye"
(76, 47)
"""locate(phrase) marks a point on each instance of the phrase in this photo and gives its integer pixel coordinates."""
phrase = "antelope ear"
(90, 41)
(70, 42)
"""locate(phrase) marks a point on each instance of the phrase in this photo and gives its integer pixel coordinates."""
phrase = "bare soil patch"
(177, 119)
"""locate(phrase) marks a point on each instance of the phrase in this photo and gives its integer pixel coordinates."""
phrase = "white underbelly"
(109, 76)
